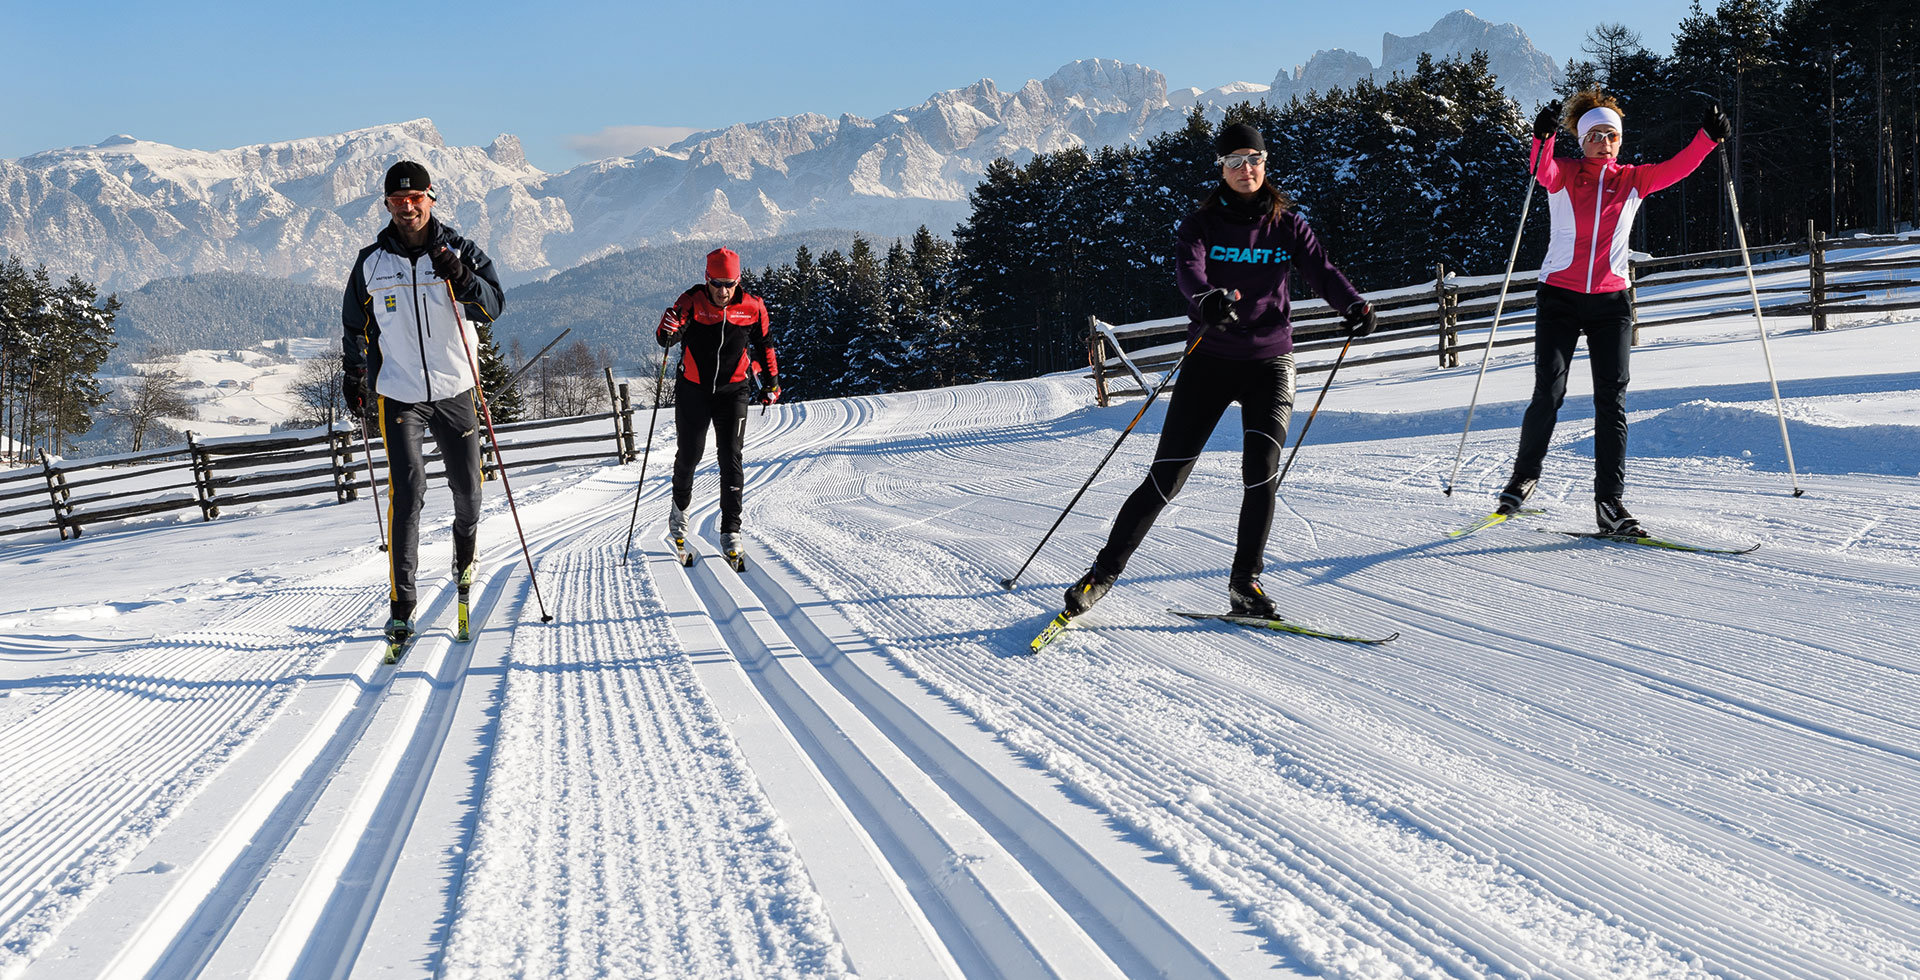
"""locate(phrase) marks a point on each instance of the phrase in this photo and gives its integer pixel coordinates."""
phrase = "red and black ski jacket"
(723, 346)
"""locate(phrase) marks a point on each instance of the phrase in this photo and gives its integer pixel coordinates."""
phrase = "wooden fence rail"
(1427, 320)
(232, 471)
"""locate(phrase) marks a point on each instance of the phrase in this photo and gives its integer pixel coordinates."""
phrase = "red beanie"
(723, 263)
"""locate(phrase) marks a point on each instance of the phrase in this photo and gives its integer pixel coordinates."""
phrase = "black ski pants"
(456, 434)
(1607, 320)
(1206, 386)
(694, 409)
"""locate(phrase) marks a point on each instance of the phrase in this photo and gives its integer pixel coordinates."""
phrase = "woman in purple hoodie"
(1234, 256)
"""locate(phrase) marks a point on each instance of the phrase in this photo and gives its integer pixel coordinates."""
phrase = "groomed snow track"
(982, 851)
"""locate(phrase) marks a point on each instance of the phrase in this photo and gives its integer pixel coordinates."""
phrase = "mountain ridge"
(127, 210)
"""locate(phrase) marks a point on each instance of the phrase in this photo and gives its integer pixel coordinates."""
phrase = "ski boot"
(1516, 493)
(1090, 589)
(733, 545)
(399, 634)
(677, 533)
(1246, 598)
(465, 582)
(1614, 520)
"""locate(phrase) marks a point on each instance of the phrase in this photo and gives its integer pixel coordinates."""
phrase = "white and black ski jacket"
(406, 329)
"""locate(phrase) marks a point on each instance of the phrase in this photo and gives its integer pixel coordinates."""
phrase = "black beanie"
(408, 176)
(1238, 136)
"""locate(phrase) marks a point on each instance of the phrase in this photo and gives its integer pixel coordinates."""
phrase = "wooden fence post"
(1816, 276)
(613, 409)
(202, 466)
(340, 450)
(1097, 357)
(1447, 302)
(60, 494)
(626, 424)
(1633, 300)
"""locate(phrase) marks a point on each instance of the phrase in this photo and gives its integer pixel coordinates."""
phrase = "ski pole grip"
(1197, 297)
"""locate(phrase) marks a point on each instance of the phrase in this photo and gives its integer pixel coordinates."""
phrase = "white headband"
(1598, 116)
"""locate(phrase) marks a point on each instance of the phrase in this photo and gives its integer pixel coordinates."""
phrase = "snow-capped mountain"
(127, 210)
(1528, 74)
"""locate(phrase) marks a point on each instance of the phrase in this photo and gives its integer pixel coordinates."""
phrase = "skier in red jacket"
(724, 333)
(1583, 288)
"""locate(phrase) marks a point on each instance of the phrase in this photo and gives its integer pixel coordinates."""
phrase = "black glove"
(1216, 308)
(447, 265)
(1716, 124)
(668, 332)
(1547, 121)
(353, 388)
(1358, 319)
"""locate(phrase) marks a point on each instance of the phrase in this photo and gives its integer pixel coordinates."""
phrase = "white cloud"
(619, 141)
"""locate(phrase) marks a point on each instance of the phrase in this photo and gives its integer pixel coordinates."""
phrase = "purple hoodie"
(1220, 249)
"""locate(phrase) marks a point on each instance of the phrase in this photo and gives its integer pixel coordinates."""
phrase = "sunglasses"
(416, 198)
(1234, 161)
(723, 283)
(1602, 136)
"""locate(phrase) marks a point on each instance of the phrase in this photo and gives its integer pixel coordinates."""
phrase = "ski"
(461, 633)
(1051, 633)
(1284, 626)
(1489, 521)
(686, 554)
(1651, 542)
(737, 561)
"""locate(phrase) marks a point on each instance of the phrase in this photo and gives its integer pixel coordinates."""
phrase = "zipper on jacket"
(719, 343)
(1599, 202)
(420, 327)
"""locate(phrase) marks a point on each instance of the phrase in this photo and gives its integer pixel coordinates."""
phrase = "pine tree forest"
(1427, 168)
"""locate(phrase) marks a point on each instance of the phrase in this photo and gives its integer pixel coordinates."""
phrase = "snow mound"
(1751, 431)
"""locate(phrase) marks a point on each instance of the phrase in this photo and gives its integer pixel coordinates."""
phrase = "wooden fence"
(1427, 320)
(228, 472)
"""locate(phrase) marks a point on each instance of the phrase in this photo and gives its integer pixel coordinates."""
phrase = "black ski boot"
(1083, 594)
(1516, 493)
(399, 632)
(1245, 597)
(1614, 520)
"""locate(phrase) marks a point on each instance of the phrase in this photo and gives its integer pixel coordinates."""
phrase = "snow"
(1579, 759)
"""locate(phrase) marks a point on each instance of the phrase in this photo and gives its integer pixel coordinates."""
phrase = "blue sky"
(566, 79)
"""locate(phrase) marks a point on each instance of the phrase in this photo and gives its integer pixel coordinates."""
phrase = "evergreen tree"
(873, 354)
(496, 379)
(78, 344)
(945, 349)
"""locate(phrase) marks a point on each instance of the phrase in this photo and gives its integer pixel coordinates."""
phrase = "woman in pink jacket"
(1583, 288)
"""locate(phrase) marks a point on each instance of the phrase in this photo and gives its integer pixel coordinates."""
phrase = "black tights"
(1206, 386)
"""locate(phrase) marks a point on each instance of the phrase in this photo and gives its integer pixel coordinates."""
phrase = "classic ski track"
(1798, 855)
(604, 719)
(131, 743)
(315, 923)
(973, 899)
(223, 892)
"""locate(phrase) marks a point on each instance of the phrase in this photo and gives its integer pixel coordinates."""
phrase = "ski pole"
(1733, 203)
(1007, 583)
(1282, 478)
(658, 384)
(486, 413)
(373, 481)
(1533, 166)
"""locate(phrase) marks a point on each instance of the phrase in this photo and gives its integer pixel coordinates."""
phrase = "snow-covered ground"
(1578, 759)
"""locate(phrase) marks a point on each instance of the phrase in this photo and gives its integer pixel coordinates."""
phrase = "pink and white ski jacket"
(1592, 203)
